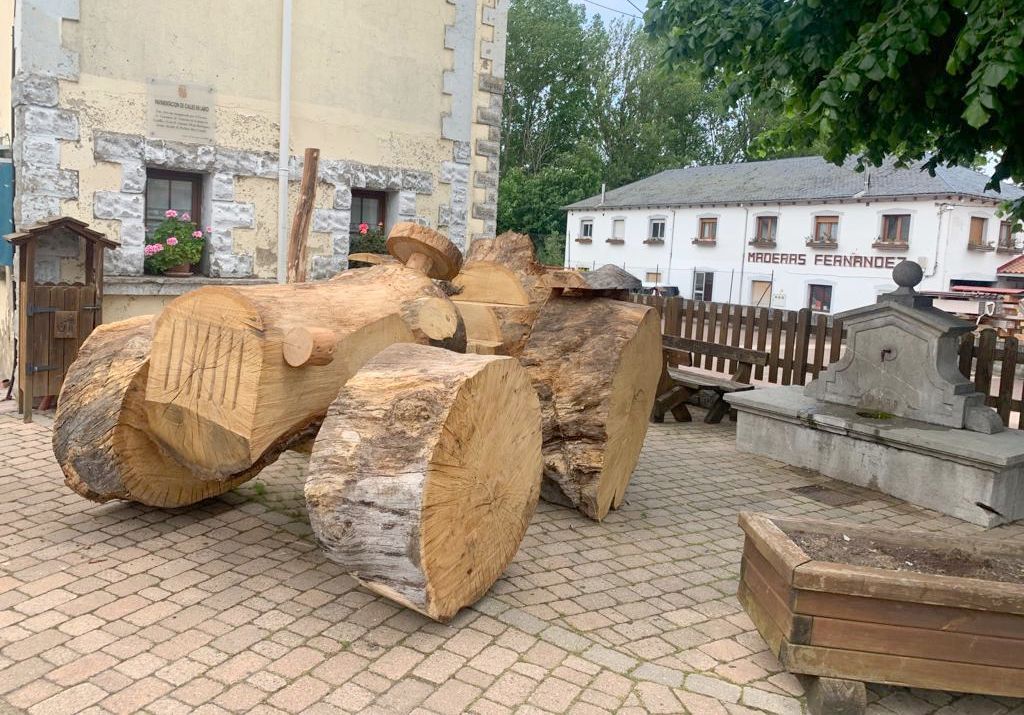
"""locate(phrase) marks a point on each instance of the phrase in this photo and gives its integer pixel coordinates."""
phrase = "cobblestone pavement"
(229, 606)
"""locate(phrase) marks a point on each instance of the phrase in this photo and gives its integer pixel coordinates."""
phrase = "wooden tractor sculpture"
(429, 457)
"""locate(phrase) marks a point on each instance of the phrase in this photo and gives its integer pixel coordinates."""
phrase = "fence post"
(1007, 378)
(803, 334)
(986, 358)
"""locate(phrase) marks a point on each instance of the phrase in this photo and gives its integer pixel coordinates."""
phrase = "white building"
(795, 233)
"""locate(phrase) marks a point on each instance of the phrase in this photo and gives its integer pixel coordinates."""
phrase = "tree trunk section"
(99, 433)
(501, 290)
(595, 363)
(220, 392)
(426, 473)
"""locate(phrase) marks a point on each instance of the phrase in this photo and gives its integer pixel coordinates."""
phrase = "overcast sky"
(621, 6)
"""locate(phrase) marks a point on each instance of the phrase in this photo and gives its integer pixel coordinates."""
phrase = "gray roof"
(808, 178)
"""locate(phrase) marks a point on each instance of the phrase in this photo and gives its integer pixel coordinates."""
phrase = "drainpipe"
(283, 141)
(743, 253)
(939, 243)
(671, 247)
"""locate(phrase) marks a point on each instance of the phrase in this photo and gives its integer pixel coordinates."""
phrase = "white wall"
(940, 249)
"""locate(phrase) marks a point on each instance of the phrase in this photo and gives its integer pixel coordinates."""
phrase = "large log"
(99, 433)
(221, 392)
(426, 473)
(595, 363)
(501, 289)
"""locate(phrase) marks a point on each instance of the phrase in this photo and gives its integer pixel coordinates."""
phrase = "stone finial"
(907, 275)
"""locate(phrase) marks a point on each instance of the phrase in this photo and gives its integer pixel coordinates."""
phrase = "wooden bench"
(678, 384)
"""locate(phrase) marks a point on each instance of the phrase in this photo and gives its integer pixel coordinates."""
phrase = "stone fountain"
(895, 414)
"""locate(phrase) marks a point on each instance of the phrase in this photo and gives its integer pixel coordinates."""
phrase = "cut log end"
(426, 473)
(309, 346)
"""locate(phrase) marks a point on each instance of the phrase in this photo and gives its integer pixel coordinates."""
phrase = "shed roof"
(44, 226)
(808, 178)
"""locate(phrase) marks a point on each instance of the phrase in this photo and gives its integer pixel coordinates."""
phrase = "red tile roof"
(1012, 267)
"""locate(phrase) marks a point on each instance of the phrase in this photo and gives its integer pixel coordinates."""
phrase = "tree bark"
(220, 392)
(595, 363)
(426, 473)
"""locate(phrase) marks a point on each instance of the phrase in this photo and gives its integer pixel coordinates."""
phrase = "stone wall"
(85, 152)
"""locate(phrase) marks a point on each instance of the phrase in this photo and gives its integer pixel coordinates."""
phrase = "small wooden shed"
(55, 317)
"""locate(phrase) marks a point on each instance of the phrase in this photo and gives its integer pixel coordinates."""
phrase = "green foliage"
(369, 240)
(174, 242)
(935, 79)
(551, 249)
(587, 104)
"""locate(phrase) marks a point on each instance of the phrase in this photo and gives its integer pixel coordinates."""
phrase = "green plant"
(369, 240)
(176, 241)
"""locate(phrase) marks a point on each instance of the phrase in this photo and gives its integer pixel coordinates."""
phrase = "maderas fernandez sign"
(833, 260)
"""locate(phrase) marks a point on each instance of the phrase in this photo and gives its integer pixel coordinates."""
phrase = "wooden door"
(760, 293)
(60, 318)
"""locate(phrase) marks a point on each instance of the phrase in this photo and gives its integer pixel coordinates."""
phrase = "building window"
(166, 190)
(896, 228)
(979, 227)
(820, 298)
(708, 230)
(766, 228)
(703, 285)
(1006, 235)
(826, 229)
(657, 229)
(368, 207)
(653, 277)
(619, 229)
(586, 228)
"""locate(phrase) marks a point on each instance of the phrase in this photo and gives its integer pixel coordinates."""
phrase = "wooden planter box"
(836, 619)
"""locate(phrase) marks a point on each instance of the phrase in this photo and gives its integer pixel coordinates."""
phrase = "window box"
(764, 243)
(882, 244)
(654, 241)
(981, 247)
(697, 241)
(1008, 248)
(825, 244)
(584, 240)
(616, 241)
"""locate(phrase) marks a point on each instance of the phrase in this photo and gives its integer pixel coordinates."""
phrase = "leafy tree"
(913, 79)
(550, 78)
(532, 202)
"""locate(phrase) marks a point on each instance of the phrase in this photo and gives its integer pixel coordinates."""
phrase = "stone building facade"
(403, 99)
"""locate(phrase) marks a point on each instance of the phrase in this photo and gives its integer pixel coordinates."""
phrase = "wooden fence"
(800, 344)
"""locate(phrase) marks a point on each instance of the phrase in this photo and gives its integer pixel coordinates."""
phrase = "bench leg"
(834, 696)
(718, 410)
(681, 412)
(671, 400)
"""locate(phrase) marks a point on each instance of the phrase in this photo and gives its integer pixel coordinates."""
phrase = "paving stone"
(229, 607)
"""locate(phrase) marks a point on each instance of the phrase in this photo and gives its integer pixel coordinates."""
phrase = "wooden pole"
(298, 239)
(26, 280)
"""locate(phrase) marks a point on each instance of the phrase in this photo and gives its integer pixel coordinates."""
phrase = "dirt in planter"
(861, 551)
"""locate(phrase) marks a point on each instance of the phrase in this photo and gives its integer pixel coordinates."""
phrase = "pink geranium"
(364, 229)
(186, 217)
(197, 234)
(209, 229)
(172, 240)
(170, 213)
(153, 249)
